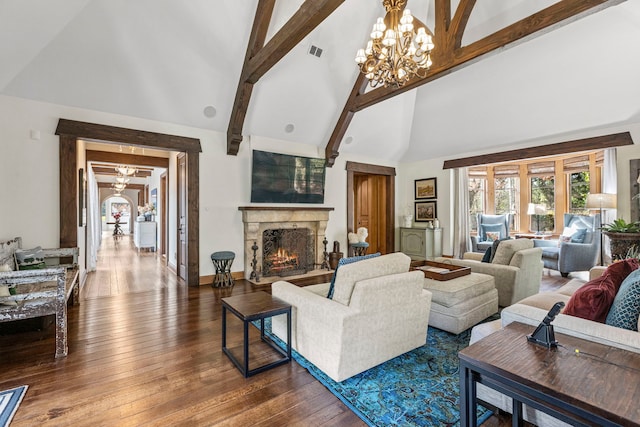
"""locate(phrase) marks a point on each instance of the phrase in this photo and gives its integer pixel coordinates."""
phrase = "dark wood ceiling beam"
(310, 14)
(127, 159)
(586, 144)
(260, 58)
(449, 55)
(445, 62)
(110, 171)
(243, 93)
(115, 135)
(139, 187)
(331, 150)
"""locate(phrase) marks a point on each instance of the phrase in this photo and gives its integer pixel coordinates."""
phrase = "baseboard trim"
(208, 280)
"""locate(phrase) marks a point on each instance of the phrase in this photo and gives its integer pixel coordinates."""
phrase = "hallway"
(122, 270)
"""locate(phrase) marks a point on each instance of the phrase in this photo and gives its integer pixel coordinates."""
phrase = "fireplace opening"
(286, 252)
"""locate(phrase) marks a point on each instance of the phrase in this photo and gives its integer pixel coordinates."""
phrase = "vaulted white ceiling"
(167, 60)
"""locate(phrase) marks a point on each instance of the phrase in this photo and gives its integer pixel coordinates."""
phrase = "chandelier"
(119, 186)
(398, 49)
(126, 170)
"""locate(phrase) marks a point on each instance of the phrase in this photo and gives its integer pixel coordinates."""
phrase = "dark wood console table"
(596, 386)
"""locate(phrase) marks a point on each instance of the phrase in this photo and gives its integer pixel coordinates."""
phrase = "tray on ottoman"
(439, 271)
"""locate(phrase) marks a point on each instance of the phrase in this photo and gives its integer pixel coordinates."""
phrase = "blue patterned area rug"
(9, 402)
(418, 388)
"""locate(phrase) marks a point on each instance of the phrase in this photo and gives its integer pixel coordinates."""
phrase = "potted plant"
(623, 237)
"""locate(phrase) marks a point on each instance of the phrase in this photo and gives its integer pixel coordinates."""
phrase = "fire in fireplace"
(286, 252)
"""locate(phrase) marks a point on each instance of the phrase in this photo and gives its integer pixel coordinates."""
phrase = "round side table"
(222, 262)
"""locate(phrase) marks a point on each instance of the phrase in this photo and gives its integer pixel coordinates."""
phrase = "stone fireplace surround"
(257, 219)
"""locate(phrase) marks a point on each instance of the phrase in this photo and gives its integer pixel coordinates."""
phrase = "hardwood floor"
(144, 349)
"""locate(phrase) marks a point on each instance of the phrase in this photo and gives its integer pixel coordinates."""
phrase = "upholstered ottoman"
(460, 303)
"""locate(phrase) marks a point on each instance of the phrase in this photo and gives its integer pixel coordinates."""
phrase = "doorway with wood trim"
(371, 204)
(70, 131)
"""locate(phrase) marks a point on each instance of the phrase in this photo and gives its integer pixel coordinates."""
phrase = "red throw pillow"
(593, 300)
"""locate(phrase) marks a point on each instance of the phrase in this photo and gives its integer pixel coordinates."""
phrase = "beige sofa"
(516, 268)
(531, 311)
(379, 311)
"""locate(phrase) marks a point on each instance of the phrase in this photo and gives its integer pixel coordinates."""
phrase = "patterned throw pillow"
(490, 228)
(344, 261)
(493, 236)
(29, 259)
(594, 299)
(626, 306)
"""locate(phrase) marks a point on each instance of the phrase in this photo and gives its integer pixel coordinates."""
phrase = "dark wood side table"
(597, 386)
(250, 307)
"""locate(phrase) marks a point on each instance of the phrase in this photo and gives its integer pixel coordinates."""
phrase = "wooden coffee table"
(596, 386)
(250, 307)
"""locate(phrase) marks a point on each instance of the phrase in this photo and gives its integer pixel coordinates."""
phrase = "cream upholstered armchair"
(379, 310)
(516, 268)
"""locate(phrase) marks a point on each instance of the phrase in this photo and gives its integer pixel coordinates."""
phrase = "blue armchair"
(490, 224)
(575, 254)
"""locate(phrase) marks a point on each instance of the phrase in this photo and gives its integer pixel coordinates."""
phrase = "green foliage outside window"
(543, 193)
(578, 192)
(507, 199)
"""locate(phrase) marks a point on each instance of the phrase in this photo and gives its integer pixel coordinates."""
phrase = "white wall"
(30, 200)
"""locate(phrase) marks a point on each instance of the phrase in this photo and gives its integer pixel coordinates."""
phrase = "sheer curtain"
(94, 223)
(461, 236)
(609, 185)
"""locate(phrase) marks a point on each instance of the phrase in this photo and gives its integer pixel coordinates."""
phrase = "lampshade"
(536, 209)
(601, 201)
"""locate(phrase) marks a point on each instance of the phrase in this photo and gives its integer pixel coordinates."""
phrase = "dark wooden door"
(182, 217)
(370, 206)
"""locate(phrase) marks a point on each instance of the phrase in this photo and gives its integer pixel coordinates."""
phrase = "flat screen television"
(282, 178)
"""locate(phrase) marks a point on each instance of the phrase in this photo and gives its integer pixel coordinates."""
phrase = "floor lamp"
(601, 201)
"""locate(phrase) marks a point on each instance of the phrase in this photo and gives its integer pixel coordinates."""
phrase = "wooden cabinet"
(144, 234)
(421, 243)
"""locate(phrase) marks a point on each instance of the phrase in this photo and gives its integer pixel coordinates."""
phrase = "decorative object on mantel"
(335, 256)
(399, 49)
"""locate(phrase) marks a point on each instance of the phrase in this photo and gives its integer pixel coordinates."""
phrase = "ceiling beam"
(331, 150)
(110, 171)
(139, 187)
(126, 159)
(586, 144)
(260, 58)
(449, 56)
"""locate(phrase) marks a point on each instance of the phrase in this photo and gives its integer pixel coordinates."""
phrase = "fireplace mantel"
(257, 219)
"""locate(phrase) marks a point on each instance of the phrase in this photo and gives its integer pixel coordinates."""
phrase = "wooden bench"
(41, 292)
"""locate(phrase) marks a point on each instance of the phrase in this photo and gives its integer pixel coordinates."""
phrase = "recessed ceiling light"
(349, 140)
(289, 128)
(210, 111)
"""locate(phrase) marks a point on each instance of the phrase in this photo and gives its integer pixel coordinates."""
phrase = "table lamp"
(601, 201)
(536, 209)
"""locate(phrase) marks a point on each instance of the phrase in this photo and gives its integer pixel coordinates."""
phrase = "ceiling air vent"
(315, 51)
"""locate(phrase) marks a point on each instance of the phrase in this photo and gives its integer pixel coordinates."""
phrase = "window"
(476, 200)
(578, 191)
(543, 193)
(507, 199)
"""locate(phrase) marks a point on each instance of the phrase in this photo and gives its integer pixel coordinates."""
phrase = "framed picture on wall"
(425, 211)
(426, 188)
